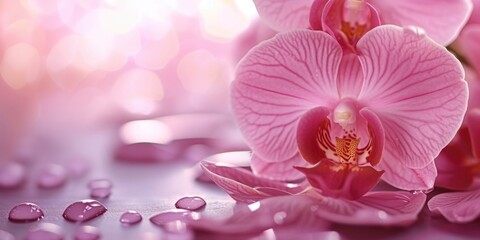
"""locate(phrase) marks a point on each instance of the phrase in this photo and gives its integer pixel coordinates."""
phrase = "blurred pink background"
(70, 66)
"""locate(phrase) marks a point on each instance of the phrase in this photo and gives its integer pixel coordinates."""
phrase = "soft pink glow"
(138, 91)
(20, 65)
(155, 54)
(199, 70)
(151, 131)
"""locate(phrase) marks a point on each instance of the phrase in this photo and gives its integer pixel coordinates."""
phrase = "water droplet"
(190, 203)
(279, 217)
(52, 176)
(131, 217)
(422, 191)
(163, 218)
(100, 188)
(100, 192)
(12, 175)
(87, 233)
(6, 235)
(45, 231)
(145, 153)
(25, 212)
(83, 210)
(99, 183)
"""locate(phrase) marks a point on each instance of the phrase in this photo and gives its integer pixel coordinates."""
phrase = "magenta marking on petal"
(341, 180)
(307, 132)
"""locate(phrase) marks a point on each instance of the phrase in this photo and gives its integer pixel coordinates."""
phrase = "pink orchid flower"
(459, 162)
(293, 103)
(442, 20)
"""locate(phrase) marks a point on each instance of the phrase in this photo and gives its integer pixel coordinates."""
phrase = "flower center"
(345, 146)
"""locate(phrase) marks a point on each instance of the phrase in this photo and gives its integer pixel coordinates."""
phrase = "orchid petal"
(279, 171)
(341, 180)
(406, 178)
(307, 133)
(242, 185)
(473, 122)
(284, 15)
(333, 19)
(441, 19)
(457, 207)
(416, 88)
(277, 82)
(375, 208)
(316, 13)
(276, 212)
(350, 77)
(377, 134)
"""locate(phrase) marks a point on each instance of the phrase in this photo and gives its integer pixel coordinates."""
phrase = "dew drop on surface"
(25, 212)
(6, 235)
(131, 217)
(190, 203)
(163, 218)
(99, 183)
(279, 217)
(87, 233)
(83, 210)
(52, 176)
(422, 191)
(45, 231)
(100, 192)
(12, 175)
